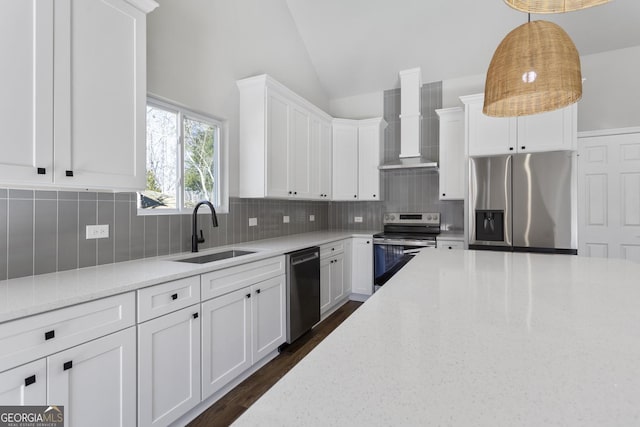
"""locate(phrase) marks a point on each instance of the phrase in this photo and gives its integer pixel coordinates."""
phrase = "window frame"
(221, 204)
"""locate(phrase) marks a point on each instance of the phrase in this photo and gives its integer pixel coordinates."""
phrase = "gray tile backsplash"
(44, 231)
(404, 190)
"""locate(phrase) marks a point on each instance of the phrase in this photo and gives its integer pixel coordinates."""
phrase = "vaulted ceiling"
(358, 46)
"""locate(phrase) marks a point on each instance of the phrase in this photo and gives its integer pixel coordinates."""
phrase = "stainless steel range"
(405, 234)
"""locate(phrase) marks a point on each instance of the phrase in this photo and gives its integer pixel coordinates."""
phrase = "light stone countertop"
(31, 295)
(476, 338)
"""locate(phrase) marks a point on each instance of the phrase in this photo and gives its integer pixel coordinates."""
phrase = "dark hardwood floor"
(233, 404)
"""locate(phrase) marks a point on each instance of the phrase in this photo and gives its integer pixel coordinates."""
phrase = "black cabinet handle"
(42, 171)
(295, 192)
(248, 295)
(355, 196)
(444, 194)
(195, 315)
(367, 242)
(67, 365)
(174, 296)
(49, 335)
(289, 192)
(257, 291)
(68, 173)
(510, 148)
(374, 195)
(523, 147)
(29, 380)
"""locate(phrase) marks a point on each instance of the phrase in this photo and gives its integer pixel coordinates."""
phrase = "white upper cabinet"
(281, 135)
(345, 159)
(26, 85)
(370, 136)
(321, 162)
(356, 157)
(452, 158)
(552, 131)
(86, 102)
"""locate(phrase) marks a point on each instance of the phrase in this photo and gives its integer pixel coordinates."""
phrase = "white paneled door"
(609, 196)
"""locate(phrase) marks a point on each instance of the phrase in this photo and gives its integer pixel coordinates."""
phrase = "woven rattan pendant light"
(536, 68)
(552, 6)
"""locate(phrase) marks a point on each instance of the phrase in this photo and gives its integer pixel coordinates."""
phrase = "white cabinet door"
(277, 145)
(325, 284)
(325, 160)
(369, 137)
(168, 366)
(226, 339)
(337, 278)
(551, 131)
(452, 157)
(26, 85)
(489, 135)
(300, 153)
(24, 385)
(96, 381)
(362, 266)
(345, 161)
(100, 94)
(320, 162)
(268, 316)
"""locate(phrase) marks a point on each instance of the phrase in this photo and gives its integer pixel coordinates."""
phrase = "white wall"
(197, 49)
(358, 107)
(611, 91)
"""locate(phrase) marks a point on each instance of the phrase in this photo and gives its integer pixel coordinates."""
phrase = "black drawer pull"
(374, 195)
(523, 147)
(29, 380)
(444, 194)
(257, 291)
(174, 296)
(195, 315)
(450, 247)
(42, 171)
(67, 365)
(248, 295)
(68, 173)
(49, 335)
(367, 242)
(510, 148)
(355, 196)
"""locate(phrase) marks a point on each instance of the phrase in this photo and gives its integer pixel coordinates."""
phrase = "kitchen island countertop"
(476, 338)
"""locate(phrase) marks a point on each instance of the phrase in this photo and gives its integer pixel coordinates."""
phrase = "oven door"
(389, 256)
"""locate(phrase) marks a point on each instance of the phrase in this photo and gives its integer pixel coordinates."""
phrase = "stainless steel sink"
(203, 259)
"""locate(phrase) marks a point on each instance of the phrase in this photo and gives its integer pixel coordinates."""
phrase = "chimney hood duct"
(410, 157)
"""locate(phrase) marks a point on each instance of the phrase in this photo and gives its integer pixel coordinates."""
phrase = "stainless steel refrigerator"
(524, 202)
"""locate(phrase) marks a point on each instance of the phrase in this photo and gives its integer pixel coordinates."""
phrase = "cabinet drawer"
(221, 282)
(450, 244)
(33, 337)
(161, 299)
(331, 248)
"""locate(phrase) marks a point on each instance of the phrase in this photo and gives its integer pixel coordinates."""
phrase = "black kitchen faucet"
(195, 239)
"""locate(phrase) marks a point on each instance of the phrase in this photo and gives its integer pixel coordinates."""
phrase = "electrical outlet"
(357, 219)
(285, 219)
(312, 218)
(98, 231)
(253, 222)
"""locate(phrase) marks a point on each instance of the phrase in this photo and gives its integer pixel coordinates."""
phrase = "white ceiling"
(358, 46)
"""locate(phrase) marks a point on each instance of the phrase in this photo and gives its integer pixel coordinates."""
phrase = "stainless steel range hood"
(410, 156)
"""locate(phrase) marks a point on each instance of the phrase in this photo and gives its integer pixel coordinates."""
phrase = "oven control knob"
(392, 217)
(429, 217)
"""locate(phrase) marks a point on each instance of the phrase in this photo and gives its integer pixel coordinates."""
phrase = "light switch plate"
(312, 218)
(357, 219)
(98, 231)
(285, 219)
(253, 222)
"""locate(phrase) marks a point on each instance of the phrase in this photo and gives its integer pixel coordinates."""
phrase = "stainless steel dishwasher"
(303, 291)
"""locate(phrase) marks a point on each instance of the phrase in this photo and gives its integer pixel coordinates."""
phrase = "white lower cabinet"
(96, 381)
(24, 385)
(325, 284)
(362, 265)
(337, 278)
(168, 366)
(239, 329)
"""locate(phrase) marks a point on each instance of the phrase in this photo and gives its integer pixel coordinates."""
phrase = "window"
(183, 160)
